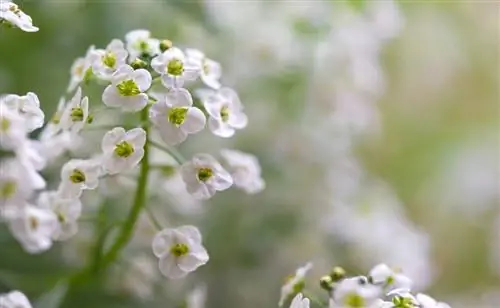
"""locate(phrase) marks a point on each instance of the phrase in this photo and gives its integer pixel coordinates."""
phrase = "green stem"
(153, 219)
(140, 199)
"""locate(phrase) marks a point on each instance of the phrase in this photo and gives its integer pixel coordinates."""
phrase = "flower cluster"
(383, 287)
(11, 15)
(14, 299)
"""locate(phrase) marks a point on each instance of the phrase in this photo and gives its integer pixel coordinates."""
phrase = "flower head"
(67, 212)
(12, 15)
(245, 170)
(78, 175)
(127, 89)
(299, 301)
(210, 71)
(28, 107)
(81, 69)
(294, 283)
(76, 113)
(140, 44)
(355, 292)
(123, 150)
(389, 278)
(226, 112)
(204, 176)
(106, 61)
(180, 251)
(174, 68)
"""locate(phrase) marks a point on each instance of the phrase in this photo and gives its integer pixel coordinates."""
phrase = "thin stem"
(153, 219)
(171, 151)
(140, 200)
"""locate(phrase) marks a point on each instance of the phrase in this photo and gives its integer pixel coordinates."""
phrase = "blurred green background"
(432, 136)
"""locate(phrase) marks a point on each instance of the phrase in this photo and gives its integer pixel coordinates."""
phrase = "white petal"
(162, 243)
(137, 136)
(194, 122)
(111, 138)
(171, 134)
(169, 268)
(122, 73)
(191, 232)
(172, 81)
(159, 63)
(134, 103)
(221, 180)
(190, 262)
(179, 98)
(238, 120)
(220, 128)
(111, 97)
(142, 78)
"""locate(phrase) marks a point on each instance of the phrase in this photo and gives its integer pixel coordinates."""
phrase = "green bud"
(326, 283)
(337, 274)
(165, 45)
(138, 63)
(89, 74)
(90, 119)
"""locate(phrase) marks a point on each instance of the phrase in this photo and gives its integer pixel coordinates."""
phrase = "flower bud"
(326, 283)
(165, 45)
(138, 63)
(337, 273)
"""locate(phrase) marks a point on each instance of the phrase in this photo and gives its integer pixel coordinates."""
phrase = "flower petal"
(194, 122)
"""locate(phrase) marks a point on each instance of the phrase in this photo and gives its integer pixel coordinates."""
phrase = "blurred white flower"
(174, 68)
(210, 71)
(53, 126)
(33, 228)
(80, 69)
(78, 175)
(294, 283)
(197, 297)
(426, 301)
(12, 128)
(139, 43)
(389, 278)
(175, 118)
(122, 150)
(28, 107)
(106, 61)
(14, 189)
(226, 112)
(14, 299)
(67, 212)
(353, 293)
(299, 302)
(10, 13)
(140, 276)
(180, 251)
(76, 113)
(204, 176)
(127, 89)
(245, 170)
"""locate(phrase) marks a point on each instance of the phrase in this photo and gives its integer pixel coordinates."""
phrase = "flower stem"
(169, 150)
(140, 199)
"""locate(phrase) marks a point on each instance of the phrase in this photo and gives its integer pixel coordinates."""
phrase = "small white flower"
(180, 251)
(426, 301)
(33, 228)
(14, 299)
(210, 71)
(204, 176)
(80, 68)
(174, 68)
(226, 112)
(67, 212)
(389, 278)
(300, 301)
(355, 292)
(245, 170)
(78, 175)
(15, 188)
(139, 42)
(28, 107)
(53, 126)
(294, 283)
(123, 150)
(12, 128)
(76, 113)
(10, 13)
(106, 61)
(175, 118)
(127, 89)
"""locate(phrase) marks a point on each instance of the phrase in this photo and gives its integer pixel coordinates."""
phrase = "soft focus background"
(376, 124)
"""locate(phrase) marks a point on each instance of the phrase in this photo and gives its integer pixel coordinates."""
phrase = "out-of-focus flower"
(389, 278)
(226, 112)
(28, 107)
(353, 292)
(294, 283)
(210, 71)
(299, 301)
(14, 299)
(245, 170)
(67, 212)
(139, 42)
(12, 15)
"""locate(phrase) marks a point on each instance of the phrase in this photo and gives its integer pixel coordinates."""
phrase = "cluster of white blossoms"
(383, 287)
(140, 75)
(11, 15)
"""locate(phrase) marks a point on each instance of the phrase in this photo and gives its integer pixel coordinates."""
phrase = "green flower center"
(60, 217)
(76, 114)
(143, 45)
(128, 88)
(390, 280)
(175, 67)
(224, 113)
(124, 149)
(4, 124)
(354, 300)
(403, 302)
(109, 59)
(179, 250)
(8, 189)
(204, 174)
(177, 115)
(77, 176)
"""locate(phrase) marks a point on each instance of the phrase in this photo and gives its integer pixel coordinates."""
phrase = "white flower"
(175, 118)
(123, 150)
(355, 292)
(210, 71)
(10, 13)
(226, 112)
(139, 42)
(197, 297)
(106, 62)
(14, 299)
(204, 176)
(174, 68)
(426, 301)
(245, 170)
(53, 126)
(127, 89)
(299, 302)
(78, 175)
(15, 188)
(67, 212)
(12, 128)
(28, 107)
(294, 283)
(76, 113)
(33, 228)
(180, 251)
(80, 68)
(389, 278)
